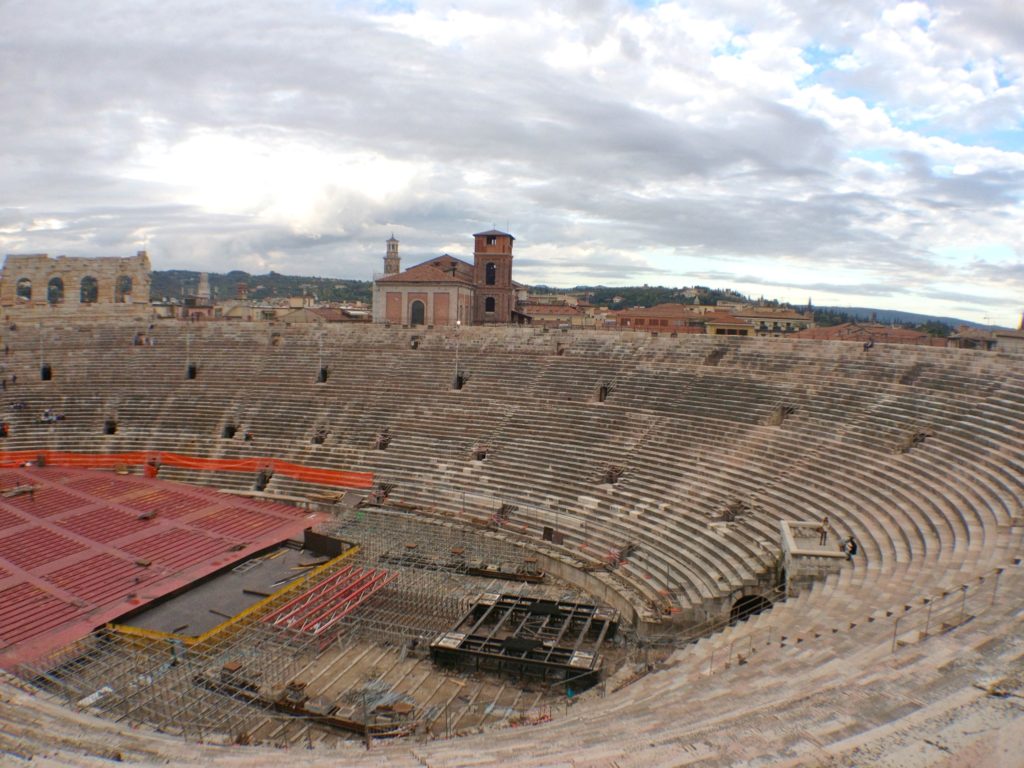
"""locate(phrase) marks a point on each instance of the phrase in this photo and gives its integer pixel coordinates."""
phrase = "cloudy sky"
(858, 152)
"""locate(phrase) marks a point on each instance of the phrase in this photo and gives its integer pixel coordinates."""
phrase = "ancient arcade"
(30, 280)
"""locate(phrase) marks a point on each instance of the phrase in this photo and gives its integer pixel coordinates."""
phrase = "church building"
(445, 289)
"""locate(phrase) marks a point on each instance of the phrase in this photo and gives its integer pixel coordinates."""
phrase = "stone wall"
(34, 280)
(805, 559)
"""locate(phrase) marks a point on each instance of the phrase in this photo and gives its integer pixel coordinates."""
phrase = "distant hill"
(178, 283)
(891, 316)
(623, 297)
(627, 297)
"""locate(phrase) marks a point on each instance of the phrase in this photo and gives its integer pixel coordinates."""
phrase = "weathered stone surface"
(31, 280)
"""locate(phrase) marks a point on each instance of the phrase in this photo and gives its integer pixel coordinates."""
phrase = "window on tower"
(492, 240)
(489, 304)
(491, 273)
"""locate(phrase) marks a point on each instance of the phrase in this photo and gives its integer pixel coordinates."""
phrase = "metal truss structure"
(531, 637)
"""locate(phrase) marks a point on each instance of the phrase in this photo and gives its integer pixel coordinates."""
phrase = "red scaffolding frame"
(322, 606)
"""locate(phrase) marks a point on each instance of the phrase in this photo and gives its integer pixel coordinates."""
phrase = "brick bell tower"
(392, 261)
(492, 277)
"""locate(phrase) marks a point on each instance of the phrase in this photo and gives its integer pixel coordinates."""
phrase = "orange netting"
(144, 458)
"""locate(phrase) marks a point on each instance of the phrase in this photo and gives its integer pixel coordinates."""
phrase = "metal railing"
(929, 615)
(949, 609)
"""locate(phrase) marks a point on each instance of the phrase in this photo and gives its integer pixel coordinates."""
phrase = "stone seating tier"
(691, 438)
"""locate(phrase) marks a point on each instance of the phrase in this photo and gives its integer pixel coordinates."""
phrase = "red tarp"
(142, 458)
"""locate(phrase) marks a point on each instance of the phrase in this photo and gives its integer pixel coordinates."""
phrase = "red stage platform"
(86, 547)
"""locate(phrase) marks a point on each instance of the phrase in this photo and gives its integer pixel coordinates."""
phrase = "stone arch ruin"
(102, 281)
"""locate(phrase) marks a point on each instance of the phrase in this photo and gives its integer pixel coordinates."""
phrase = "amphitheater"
(662, 481)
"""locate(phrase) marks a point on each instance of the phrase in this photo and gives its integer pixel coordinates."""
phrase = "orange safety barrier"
(153, 458)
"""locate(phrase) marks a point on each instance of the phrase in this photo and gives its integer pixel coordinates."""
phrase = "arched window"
(490, 273)
(122, 289)
(90, 290)
(417, 313)
(24, 289)
(489, 304)
(55, 291)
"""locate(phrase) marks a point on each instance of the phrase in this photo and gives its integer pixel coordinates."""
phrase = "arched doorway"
(24, 289)
(90, 290)
(748, 606)
(417, 313)
(55, 291)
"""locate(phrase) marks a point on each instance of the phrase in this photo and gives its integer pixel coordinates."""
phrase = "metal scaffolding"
(177, 685)
(415, 607)
(530, 636)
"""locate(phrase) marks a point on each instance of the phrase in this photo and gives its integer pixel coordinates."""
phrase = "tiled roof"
(548, 309)
(444, 269)
(967, 332)
(724, 318)
(497, 232)
(770, 313)
(661, 310)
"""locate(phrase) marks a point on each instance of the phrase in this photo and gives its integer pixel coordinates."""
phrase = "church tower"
(203, 291)
(392, 262)
(492, 277)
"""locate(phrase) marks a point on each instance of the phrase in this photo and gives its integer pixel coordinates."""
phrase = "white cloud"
(833, 144)
(280, 181)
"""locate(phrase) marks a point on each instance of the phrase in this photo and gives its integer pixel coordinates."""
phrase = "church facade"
(446, 290)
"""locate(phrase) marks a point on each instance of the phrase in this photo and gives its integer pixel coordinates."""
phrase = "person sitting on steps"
(850, 548)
